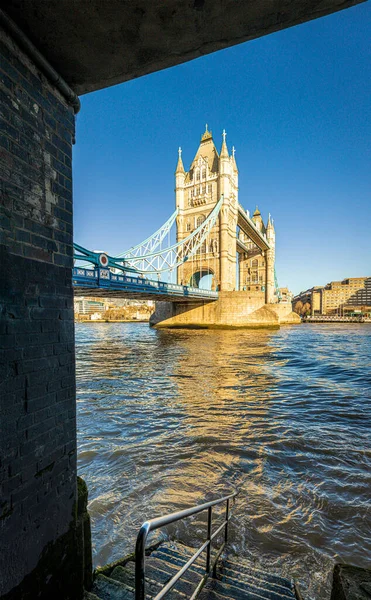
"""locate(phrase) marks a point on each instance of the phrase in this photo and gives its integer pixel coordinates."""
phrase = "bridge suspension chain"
(168, 259)
(152, 242)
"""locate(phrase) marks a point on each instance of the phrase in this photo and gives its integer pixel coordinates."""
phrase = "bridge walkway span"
(103, 283)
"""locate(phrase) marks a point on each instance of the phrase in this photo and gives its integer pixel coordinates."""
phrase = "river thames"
(167, 419)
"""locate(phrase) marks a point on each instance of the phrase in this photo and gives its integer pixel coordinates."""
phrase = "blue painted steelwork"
(104, 279)
(151, 243)
(101, 259)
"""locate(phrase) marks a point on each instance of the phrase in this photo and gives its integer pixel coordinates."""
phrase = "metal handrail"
(153, 524)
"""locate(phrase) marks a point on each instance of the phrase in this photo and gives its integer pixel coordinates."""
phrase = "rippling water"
(167, 419)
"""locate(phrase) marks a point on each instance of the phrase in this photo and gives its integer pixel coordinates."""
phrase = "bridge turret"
(180, 175)
(258, 220)
(227, 219)
(179, 181)
(270, 260)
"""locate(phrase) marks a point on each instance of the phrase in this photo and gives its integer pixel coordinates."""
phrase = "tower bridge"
(221, 268)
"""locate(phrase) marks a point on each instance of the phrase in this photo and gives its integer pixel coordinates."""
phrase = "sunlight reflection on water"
(167, 419)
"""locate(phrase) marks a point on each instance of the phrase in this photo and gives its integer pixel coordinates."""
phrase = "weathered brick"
(36, 341)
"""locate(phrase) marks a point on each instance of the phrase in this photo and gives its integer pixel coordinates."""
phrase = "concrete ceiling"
(97, 43)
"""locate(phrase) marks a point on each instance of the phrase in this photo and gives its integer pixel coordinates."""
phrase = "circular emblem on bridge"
(103, 259)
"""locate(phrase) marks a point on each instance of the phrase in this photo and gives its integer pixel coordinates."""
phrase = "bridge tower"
(197, 191)
(256, 267)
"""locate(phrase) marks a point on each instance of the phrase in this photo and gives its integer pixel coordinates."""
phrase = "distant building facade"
(95, 309)
(350, 296)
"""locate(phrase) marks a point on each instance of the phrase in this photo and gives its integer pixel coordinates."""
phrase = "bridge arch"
(204, 278)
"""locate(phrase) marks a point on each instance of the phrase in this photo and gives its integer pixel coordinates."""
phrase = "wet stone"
(351, 583)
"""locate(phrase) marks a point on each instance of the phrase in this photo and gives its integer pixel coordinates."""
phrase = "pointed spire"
(180, 167)
(224, 150)
(270, 222)
(257, 212)
(207, 135)
(234, 164)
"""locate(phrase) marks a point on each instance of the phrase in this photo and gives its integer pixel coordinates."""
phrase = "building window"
(188, 226)
(200, 220)
(198, 175)
(204, 189)
(203, 173)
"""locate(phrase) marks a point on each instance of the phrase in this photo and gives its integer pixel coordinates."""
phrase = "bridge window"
(254, 263)
(198, 175)
(200, 220)
(188, 226)
(204, 189)
(254, 277)
(203, 173)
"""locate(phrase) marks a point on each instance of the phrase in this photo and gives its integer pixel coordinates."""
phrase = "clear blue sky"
(297, 107)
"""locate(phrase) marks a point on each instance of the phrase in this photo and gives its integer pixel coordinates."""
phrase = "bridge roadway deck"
(248, 226)
(104, 283)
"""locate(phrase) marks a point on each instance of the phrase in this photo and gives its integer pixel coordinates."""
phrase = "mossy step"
(173, 557)
(159, 572)
(243, 567)
(231, 570)
(255, 578)
(230, 591)
(90, 596)
(229, 583)
(107, 588)
(208, 594)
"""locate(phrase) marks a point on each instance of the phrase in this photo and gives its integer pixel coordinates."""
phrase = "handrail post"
(140, 554)
(226, 522)
(208, 549)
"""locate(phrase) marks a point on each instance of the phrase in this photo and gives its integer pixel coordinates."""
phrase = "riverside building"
(348, 297)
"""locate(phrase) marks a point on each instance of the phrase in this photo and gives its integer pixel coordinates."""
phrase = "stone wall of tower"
(228, 188)
(270, 256)
(256, 268)
(197, 193)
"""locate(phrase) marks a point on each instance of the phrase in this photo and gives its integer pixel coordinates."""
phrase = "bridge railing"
(104, 278)
(153, 524)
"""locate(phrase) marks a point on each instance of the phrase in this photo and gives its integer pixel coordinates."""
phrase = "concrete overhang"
(94, 44)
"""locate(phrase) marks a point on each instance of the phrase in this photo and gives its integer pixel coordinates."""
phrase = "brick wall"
(37, 380)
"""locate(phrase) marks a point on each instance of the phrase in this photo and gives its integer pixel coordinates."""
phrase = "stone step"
(244, 568)
(90, 596)
(238, 583)
(209, 594)
(158, 572)
(234, 580)
(271, 587)
(257, 577)
(107, 588)
(231, 591)
(226, 568)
